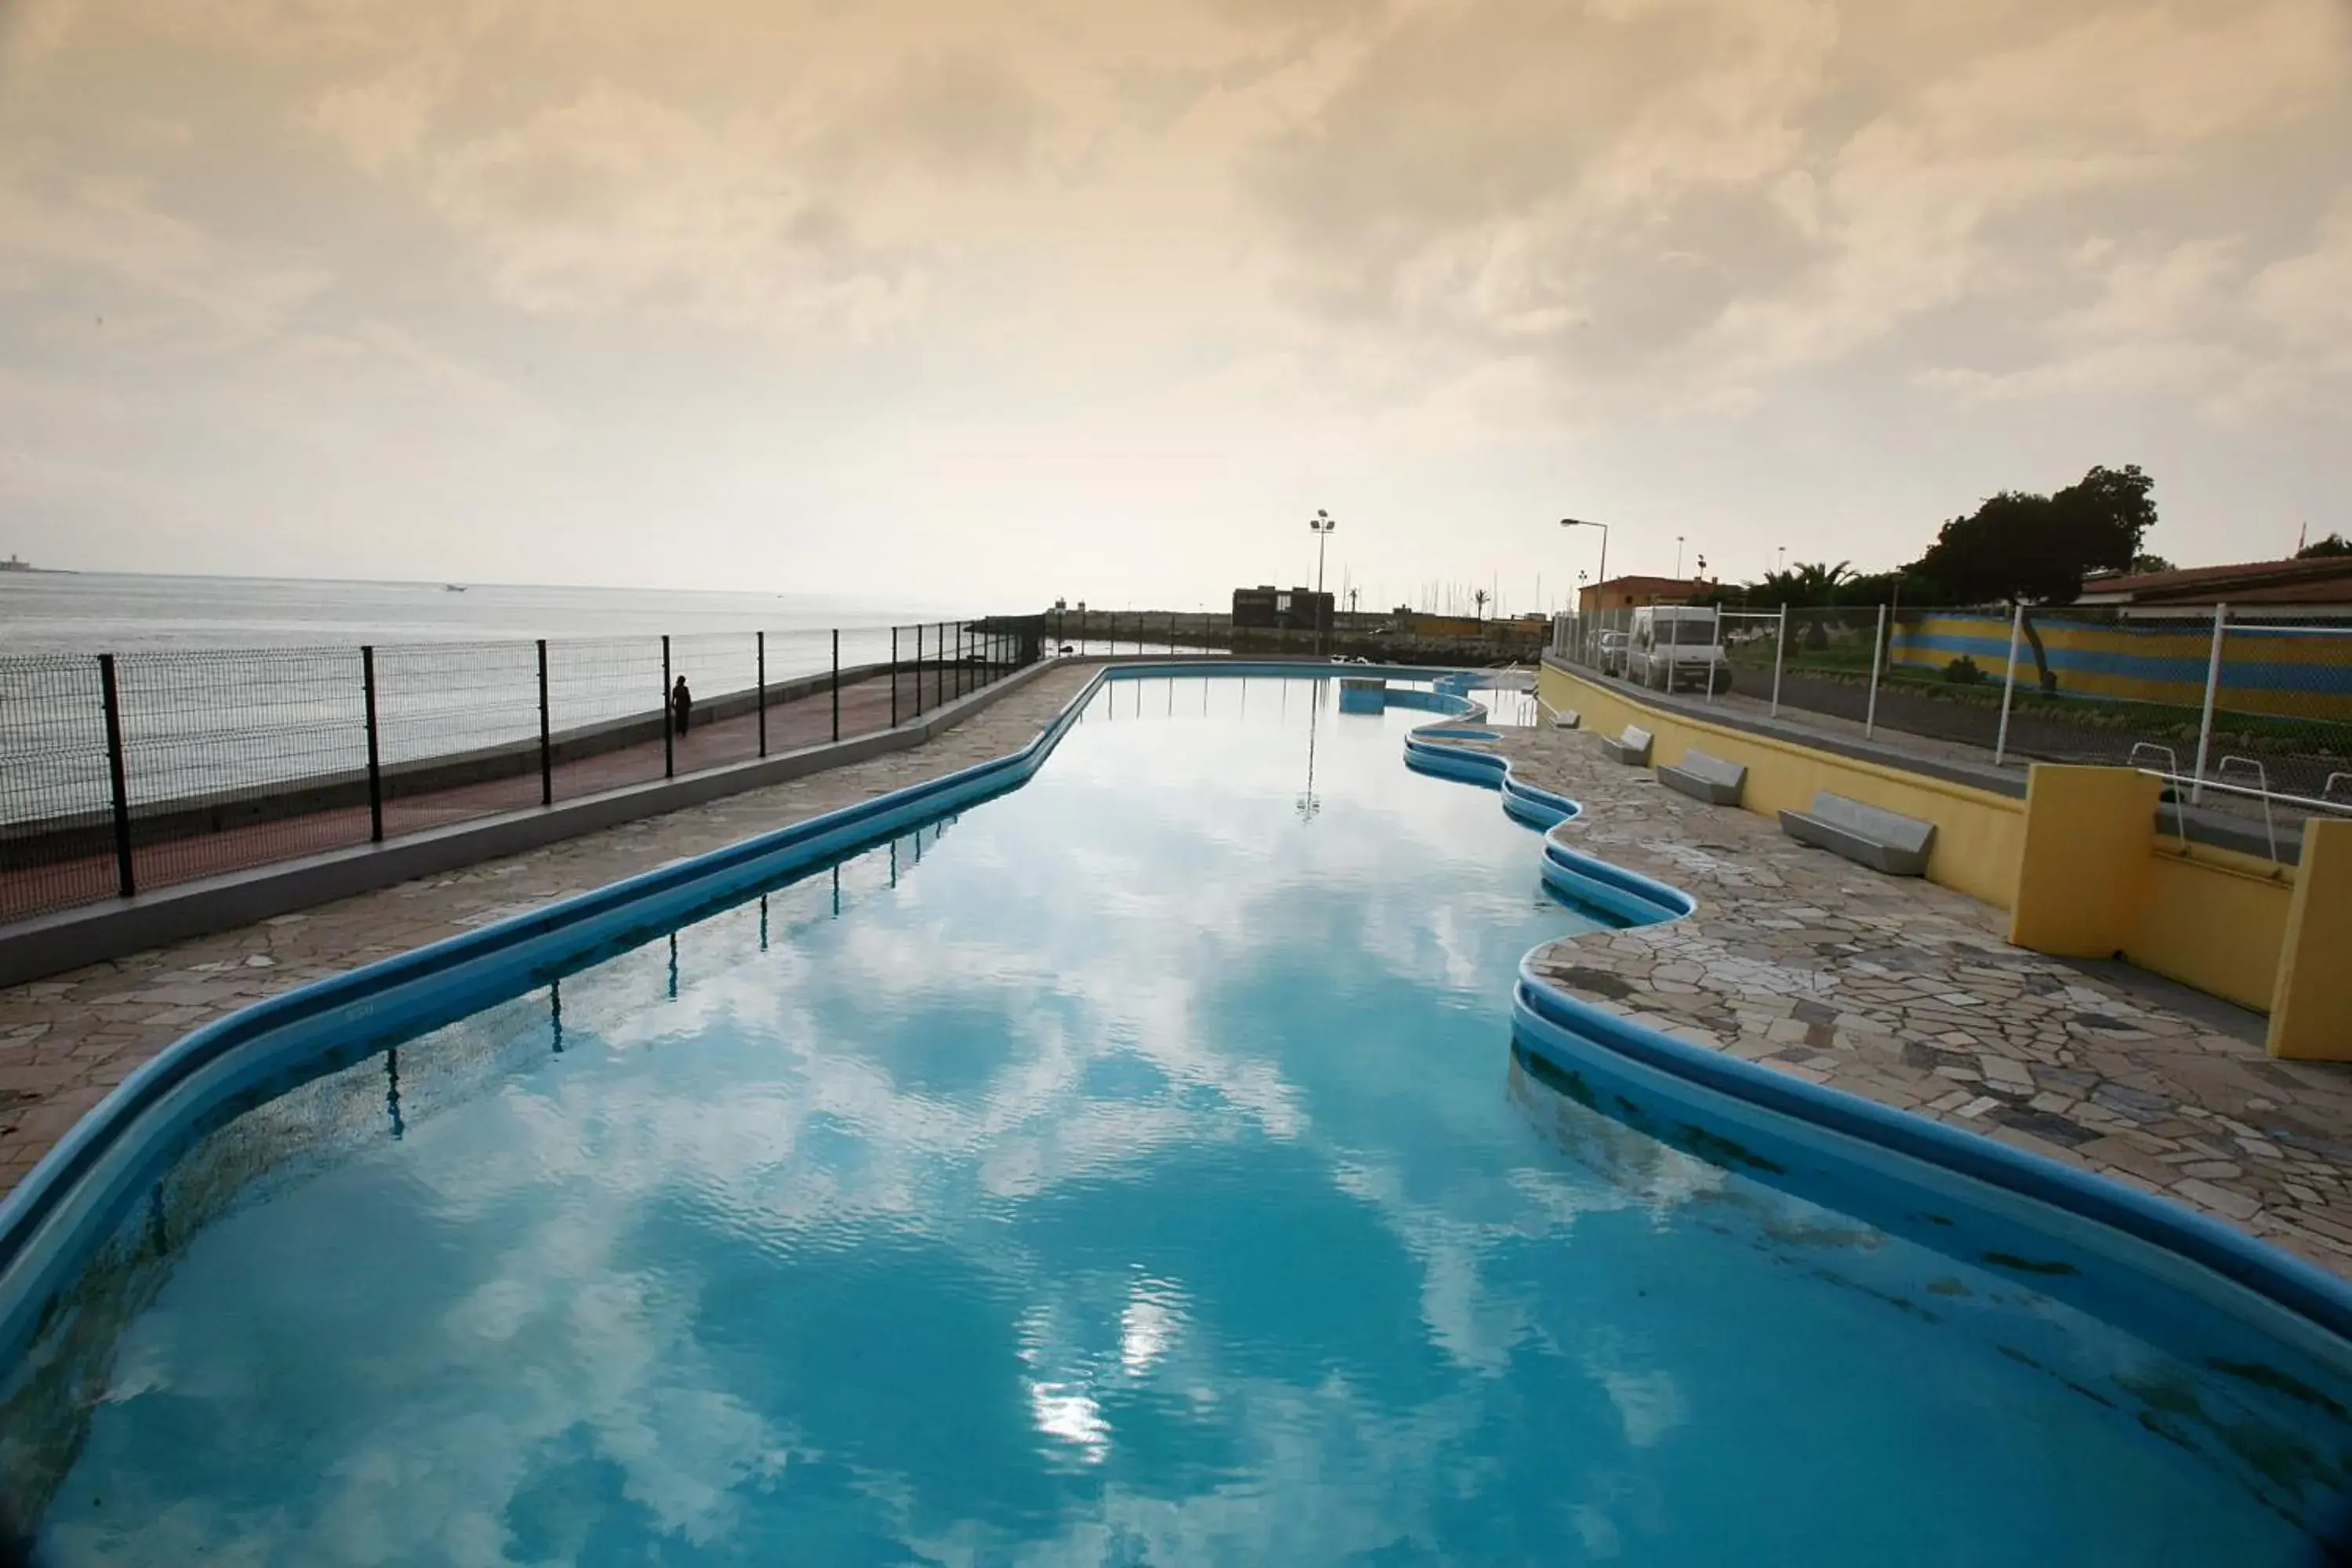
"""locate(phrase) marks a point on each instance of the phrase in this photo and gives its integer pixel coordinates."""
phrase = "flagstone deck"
(1908, 994)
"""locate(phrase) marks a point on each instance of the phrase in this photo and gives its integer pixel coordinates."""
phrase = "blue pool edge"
(31, 1257)
(1564, 1026)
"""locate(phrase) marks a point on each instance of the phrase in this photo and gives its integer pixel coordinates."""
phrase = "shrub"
(1963, 671)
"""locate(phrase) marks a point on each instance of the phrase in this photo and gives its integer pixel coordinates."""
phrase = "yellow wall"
(1980, 836)
(2082, 878)
(2311, 1007)
(2208, 920)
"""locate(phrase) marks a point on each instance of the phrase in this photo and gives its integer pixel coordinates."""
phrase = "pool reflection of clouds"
(578, 1342)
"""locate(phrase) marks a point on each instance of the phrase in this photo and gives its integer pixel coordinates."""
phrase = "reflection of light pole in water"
(1307, 805)
(1322, 523)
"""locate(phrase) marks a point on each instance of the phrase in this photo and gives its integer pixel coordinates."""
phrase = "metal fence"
(123, 774)
(2239, 710)
(1113, 632)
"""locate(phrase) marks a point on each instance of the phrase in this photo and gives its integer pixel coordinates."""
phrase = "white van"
(1678, 647)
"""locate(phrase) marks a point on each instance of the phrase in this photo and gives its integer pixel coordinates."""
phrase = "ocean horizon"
(60, 612)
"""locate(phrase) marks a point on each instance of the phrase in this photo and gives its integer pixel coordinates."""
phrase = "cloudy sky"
(1006, 298)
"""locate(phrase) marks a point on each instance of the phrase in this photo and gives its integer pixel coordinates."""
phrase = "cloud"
(99, 233)
(2199, 318)
(892, 263)
(2308, 297)
(380, 121)
(1703, 196)
(954, 114)
(615, 202)
(1294, 14)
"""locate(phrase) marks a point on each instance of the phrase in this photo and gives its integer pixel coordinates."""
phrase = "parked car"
(1678, 647)
(1612, 653)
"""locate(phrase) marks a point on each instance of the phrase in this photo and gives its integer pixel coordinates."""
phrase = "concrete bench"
(1632, 748)
(1884, 841)
(1703, 777)
(1567, 719)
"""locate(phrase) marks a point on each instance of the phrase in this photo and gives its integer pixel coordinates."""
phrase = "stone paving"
(67, 1041)
(1908, 993)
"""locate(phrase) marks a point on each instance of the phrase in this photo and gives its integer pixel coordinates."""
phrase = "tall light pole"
(1678, 557)
(1322, 523)
(1580, 522)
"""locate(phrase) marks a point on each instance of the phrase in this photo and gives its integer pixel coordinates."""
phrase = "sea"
(231, 684)
(122, 613)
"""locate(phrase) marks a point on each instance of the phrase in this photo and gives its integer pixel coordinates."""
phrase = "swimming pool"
(1135, 1167)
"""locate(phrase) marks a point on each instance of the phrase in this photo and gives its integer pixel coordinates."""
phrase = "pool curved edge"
(45, 1220)
(1574, 1032)
(1568, 872)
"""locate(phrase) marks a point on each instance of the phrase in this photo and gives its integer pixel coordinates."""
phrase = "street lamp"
(1580, 522)
(1323, 524)
(1678, 557)
(1600, 584)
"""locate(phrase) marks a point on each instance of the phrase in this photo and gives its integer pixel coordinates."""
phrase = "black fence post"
(668, 718)
(894, 678)
(836, 685)
(376, 760)
(117, 777)
(939, 676)
(546, 741)
(760, 679)
(919, 669)
(963, 676)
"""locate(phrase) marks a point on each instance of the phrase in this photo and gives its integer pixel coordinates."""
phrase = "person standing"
(681, 704)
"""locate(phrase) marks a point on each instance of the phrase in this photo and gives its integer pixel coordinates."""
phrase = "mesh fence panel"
(607, 712)
(2090, 684)
(237, 758)
(2284, 706)
(56, 820)
(800, 705)
(720, 669)
(233, 759)
(457, 731)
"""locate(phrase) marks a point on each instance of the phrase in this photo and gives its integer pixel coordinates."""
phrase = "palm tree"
(1807, 584)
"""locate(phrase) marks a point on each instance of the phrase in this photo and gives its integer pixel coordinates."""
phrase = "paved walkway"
(1907, 992)
(65, 1042)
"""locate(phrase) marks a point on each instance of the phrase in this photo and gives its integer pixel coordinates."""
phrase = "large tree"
(2026, 550)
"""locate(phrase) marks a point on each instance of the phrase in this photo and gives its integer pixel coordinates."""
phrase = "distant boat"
(453, 587)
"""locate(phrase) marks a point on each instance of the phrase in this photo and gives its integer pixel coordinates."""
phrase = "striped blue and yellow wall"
(2281, 671)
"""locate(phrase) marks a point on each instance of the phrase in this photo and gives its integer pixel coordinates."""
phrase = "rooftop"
(2324, 581)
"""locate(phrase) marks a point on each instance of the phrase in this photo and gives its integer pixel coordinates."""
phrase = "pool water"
(1137, 1168)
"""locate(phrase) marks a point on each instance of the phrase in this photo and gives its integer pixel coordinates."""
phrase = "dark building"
(1285, 609)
